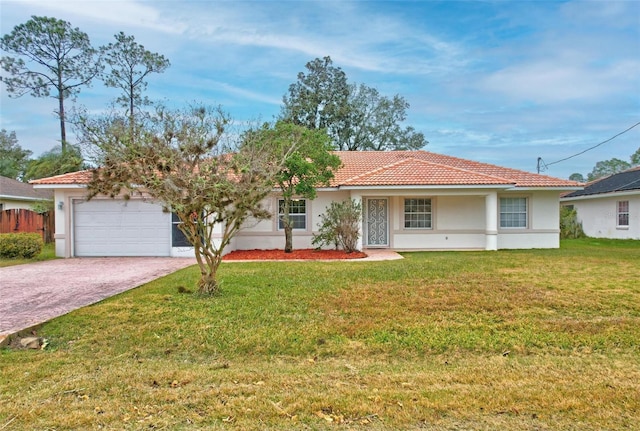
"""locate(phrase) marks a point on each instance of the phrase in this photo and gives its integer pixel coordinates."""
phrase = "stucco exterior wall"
(266, 235)
(543, 224)
(599, 216)
(459, 221)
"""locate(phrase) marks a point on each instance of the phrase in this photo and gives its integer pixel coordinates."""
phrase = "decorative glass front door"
(377, 222)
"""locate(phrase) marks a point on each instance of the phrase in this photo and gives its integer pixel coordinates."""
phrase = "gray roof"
(621, 182)
(16, 190)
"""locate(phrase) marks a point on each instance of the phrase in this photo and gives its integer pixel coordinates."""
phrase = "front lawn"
(527, 340)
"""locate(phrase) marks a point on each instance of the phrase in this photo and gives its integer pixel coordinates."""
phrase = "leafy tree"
(181, 158)
(317, 100)
(635, 158)
(340, 226)
(55, 162)
(59, 59)
(356, 117)
(372, 122)
(13, 159)
(577, 177)
(607, 167)
(129, 64)
(310, 165)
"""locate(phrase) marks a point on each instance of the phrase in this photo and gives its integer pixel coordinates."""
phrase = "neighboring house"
(412, 200)
(609, 207)
(17, 195)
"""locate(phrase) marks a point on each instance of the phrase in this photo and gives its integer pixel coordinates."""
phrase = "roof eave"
(22, 198)
(59, 186)
(548, 188)
(429, 187)
(634, 192)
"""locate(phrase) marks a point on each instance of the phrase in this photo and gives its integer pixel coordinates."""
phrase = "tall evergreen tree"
(59, 62)
(127, 66)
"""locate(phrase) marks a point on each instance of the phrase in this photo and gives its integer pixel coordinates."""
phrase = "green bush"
(340, 226)
(570, 227)
(20, 245)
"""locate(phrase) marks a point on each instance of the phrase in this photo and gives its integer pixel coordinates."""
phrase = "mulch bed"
(305, 254)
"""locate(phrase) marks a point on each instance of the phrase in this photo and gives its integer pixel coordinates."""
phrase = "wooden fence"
(23, 220)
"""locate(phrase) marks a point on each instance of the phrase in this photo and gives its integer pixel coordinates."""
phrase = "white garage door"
(106, 227)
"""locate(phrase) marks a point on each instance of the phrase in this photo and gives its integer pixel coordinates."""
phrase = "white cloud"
(547, 81)
(129, 13)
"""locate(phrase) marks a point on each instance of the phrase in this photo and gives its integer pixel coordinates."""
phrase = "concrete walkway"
(34, 293)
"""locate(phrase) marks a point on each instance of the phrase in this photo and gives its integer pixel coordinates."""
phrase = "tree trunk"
(63, 131)
(288, 238)
(208, 285)
(286, 224)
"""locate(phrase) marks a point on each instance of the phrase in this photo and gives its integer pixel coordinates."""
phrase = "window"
(417, 213)
(513, 212)
(178, 239)
(623, 213)
(297, 213)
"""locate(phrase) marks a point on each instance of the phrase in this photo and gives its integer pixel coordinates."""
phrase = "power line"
(588, 149)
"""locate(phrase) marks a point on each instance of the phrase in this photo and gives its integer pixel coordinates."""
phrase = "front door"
(377, 222)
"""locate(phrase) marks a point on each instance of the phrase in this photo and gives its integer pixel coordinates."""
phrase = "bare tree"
(182, 159)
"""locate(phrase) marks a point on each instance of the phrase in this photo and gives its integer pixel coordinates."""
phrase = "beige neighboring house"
(411, 200)
(17, 195)
(609, 207)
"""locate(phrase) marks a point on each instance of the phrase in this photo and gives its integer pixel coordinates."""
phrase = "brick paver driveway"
(34, 293)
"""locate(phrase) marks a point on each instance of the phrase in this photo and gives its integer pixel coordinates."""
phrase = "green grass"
(48, 252)
(528, 340)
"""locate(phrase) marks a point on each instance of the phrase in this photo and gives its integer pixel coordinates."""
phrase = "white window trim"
(527, 219)
(619, 213)
(306, 214)
(404, 213)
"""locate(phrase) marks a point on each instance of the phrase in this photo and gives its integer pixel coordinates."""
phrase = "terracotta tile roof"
(411, 171)
(401, 168)
(80, 177)
(426, 168)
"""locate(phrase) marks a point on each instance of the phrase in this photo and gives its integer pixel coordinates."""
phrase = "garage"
(107, 227)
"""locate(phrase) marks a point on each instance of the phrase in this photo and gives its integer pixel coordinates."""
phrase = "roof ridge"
(467, 170)
(490, 179)
(492, 165)
(375, 170)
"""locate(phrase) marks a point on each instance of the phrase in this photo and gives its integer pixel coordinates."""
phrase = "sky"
(503, 82)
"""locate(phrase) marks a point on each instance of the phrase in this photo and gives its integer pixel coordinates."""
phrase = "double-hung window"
(623, 213)
(297, 213)
(513, 213)
(417, 213)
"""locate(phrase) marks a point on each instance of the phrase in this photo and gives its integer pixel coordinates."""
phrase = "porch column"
(491, 221)
(358, 199)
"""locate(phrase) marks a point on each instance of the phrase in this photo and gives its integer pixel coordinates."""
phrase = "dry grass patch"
(437, 341)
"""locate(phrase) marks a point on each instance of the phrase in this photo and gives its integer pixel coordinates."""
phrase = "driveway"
(34, 293)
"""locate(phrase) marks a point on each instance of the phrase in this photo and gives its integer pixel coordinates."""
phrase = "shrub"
(570, 227)
(20, 245)
(340, 226)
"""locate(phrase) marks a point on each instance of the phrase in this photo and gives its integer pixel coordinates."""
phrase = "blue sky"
(493, 81)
